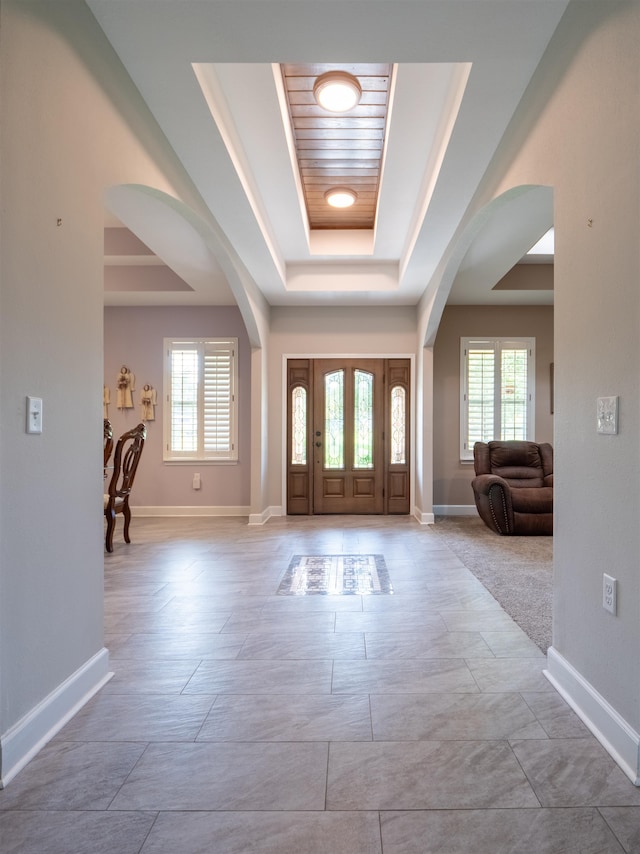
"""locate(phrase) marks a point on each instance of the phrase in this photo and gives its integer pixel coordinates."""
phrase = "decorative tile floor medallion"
(336, 574)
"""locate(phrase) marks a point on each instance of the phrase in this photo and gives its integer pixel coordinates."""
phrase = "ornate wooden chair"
(108, 442)
(125, 464)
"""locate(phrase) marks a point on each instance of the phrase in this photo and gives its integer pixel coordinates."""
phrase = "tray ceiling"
(455, 77)
(339, 150)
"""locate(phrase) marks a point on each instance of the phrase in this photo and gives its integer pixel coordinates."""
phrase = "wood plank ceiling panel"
(339, 149)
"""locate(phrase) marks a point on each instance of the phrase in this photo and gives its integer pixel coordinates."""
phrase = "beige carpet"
(517, 571)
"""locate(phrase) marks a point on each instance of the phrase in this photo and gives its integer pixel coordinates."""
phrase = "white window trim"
(498, 344)
(229, 455)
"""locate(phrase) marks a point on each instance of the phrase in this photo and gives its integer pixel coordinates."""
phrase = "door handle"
(318, 444)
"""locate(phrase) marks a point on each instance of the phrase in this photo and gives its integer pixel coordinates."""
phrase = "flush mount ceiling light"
(337, 91)
(341, 197)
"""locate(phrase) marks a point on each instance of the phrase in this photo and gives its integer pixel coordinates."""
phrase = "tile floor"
(239, 720)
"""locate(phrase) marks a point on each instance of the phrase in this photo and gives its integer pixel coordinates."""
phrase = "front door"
(348, 436)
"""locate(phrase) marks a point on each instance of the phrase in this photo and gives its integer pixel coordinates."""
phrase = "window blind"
(497, 391)
(218, 398)
(201, 399)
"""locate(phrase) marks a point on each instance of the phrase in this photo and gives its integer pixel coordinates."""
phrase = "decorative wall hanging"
(148, 400)
(106, 400)
(126, 385)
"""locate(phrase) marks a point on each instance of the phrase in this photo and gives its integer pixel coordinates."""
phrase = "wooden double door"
(348, 436)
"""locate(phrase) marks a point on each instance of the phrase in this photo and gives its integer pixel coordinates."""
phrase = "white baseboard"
(455, 510)
(262, 518)
(423, 518)
(269, 512)
(20, 743)
(190, 511)
(619, 739)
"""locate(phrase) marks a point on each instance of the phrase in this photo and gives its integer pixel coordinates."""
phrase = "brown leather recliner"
(513, 486)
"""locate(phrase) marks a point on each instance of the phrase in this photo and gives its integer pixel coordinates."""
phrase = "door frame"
(284, 404)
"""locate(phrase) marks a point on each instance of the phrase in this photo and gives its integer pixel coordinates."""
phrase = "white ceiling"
(208, 70)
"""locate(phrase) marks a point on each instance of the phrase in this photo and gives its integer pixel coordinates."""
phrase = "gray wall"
(134, 337)
(452, 478)
(54, 171)
(50, 347)
(579, 132)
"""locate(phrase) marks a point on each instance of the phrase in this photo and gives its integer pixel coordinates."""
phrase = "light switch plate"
(607, 413)
(34, 414)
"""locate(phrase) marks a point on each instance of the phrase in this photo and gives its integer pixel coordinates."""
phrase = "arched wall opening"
(199, 253)
(489, 254)
(184, 241)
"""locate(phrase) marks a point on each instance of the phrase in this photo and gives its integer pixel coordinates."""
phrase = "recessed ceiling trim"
(217, 104)
(335, 277)
(457, 84)
(334, 242)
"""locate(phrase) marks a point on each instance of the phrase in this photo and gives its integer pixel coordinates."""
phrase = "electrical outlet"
(609, 593)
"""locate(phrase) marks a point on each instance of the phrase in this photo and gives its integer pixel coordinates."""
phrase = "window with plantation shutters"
(200, 397)
(497, 391)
